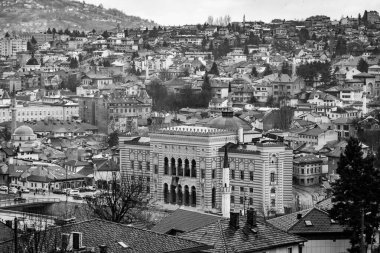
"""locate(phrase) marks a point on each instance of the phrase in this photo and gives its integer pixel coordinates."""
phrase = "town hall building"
(183, 166)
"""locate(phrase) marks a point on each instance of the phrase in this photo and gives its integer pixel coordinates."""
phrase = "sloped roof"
(285, 222)
(244, 239)
(96, 232)
(321, 223)
(185, 221)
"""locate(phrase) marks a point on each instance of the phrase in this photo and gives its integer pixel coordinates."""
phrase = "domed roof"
(32, 61)
(23, 130)
(230, 122)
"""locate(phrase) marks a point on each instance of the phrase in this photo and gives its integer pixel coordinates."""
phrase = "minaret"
(244, 21)
(364, 108)
(229, 103)
(14, 112)
(146, 70)
(226, 189)
(294, 65)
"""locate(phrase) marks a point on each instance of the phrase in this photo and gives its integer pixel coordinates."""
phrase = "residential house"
(345, 127)
(323, 234)
(317, 137)
(104, 236)
(245, 234)
(307, 170)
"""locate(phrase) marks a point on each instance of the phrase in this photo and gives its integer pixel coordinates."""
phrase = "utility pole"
(362, 243)
(16, 235)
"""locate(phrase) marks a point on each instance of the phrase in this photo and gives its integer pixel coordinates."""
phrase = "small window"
(213, 174)
(308, 223)
(232, 199)
(251, 175)
(242, 189)
(233, 174)
(251, 190)
(241, 200)
(242, 174)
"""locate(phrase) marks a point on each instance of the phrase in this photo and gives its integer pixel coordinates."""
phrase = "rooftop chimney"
(65, 240)
(251, 217)
(102, 248)
(234, 220)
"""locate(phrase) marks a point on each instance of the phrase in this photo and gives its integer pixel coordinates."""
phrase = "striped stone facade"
(163, 157)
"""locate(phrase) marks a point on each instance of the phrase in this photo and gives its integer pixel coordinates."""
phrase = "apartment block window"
(251, 175)
(233, 174)
(155, 169)
(232, 188)
(241, 189)
(132, 165)
(148, 166)
(148, 189)
(241, 200)
(203, 173)
(242, 174)
(232, 199)
(251, 190)
(140, 166)
(250, 201)
(213, 172)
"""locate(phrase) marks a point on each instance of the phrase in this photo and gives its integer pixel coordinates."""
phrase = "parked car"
(58, 191)
(3, 188)
(12, 190)
(77, 197)
(74, 192)
(90, 188)
(25, 190)
(19, 199)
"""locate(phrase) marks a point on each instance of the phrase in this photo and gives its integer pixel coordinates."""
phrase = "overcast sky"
(179, 12)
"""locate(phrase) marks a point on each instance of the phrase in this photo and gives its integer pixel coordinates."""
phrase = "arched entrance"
(166, 193)
(193, 196)
(193, 168)
(187, 196)
(173, 197)
(213, 198)
(187, 168)
(179, 195)
(172, 165)
(166, 166)
(180, 169)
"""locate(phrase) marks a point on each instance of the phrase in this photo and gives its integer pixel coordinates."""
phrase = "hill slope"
(38, 15)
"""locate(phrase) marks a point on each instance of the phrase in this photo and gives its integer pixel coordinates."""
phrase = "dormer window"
(308, 223)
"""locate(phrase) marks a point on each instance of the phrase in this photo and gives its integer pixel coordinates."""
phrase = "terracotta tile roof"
(320, 223)
(185, 221)
(100, 232)
(244, 239)
(312, 221)
(285, 222)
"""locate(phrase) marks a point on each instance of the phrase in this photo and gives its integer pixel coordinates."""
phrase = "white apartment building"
(40, 111)
(10, 46)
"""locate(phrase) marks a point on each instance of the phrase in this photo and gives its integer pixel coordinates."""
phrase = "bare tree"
(120, 201)
(34, 235)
